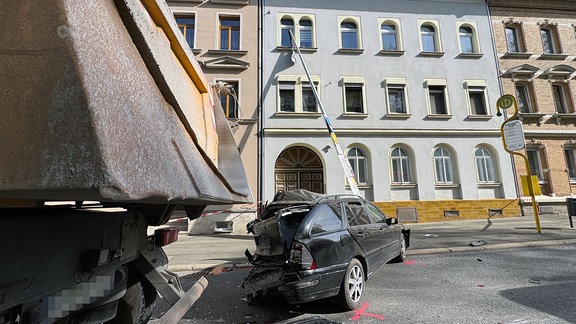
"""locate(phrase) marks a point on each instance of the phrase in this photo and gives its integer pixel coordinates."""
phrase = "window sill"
(298, 114)
(470, 55)
(439, 116)
(391, 53)
(553, 56)
(431, 54)
(447, 185)
(489, 184)
(565, 117)
(403, 185)
(398, 116)
(517, 55)
(354, 115)
(227, 52)
(531, 118)
(302, 49)
(353, 51)
(479, 117)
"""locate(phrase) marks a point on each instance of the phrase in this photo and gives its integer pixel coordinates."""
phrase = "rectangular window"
(396, 99)
(523, 97)
(548, 40)
(560, 98)
(229, 33)
(287, 96)
(437, 97)
(477, 101)
(535, 162)
(229, 101)
(308, 98)
(513, 39)
(186, 24)
(569, 153)
(354, 97)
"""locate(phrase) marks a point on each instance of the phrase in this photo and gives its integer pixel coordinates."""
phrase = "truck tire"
(136, 306)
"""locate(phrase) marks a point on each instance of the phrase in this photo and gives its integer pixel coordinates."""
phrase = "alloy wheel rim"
(355, 283)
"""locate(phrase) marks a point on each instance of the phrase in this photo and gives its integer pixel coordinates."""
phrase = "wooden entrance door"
(299, 168)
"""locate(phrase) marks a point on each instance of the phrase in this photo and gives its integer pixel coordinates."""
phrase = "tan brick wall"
(530, 13)
(433, 210)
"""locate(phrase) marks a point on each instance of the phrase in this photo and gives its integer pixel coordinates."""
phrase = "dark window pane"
(354, 100)
(328, 218)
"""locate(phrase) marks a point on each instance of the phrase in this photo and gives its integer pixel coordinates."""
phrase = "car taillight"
(165, 236)
(299, 254)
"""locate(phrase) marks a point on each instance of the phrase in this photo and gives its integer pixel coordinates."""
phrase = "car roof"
(309, 197)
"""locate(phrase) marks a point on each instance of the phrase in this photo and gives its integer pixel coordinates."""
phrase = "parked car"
(311, 246)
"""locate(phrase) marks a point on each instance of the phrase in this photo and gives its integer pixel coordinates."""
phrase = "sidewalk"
(199, 252)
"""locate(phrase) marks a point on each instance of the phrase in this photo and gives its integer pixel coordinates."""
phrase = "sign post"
(513, 140)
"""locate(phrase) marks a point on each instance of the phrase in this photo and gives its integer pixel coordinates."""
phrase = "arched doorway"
(299, 168)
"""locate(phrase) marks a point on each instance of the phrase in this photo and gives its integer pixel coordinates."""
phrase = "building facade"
(536, 48)
(223, 35)
(410, 88)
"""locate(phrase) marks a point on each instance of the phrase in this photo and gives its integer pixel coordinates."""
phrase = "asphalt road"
(529, 285)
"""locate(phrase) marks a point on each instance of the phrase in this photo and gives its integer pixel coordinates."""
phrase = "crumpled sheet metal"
(83, 118)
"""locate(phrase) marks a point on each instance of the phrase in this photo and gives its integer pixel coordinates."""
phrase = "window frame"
(398, 33)
(437, 36)
(487, 161)
(437, 83)
(552, 36)
(475, 42)
(297, 29)
(230, 30)
(477, 86)
(570, 160)
(356, 21)
(235, 84)
(518, 34)
(405, 168)
(355, 164)
(447, 164)
(299, 83)
(187, 15)
(538, 169)
(529, 94)
(353, 82)
(396, 83)
(565, 98)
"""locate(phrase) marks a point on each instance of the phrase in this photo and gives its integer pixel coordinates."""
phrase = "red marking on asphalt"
(362, 312)
(414, 262)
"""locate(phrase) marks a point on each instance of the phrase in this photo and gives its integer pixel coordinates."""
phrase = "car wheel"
(402, 254)
(352, 288)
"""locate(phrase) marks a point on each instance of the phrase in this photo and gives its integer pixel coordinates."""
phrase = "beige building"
(223, 35)
(536, 47)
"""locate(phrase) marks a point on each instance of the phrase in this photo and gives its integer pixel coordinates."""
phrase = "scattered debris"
(478, 243)
(535, 281)
(478, 259)
(481, 286)
(431, 235)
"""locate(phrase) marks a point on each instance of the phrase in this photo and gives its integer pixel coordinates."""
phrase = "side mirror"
(392, 221)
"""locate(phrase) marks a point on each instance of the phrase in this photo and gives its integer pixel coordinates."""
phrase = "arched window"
(305, 27)
(443, 166)
(286, 24)
(349, 34)
(428, 35)
(484, 165)
(466, 39)
(359, 164)
(389, 37)
(400, 161)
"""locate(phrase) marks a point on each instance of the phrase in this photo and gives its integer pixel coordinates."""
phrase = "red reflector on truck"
(165, 236)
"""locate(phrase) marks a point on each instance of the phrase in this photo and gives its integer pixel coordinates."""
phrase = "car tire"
(137, 304)
(350, 295)
(402, 254)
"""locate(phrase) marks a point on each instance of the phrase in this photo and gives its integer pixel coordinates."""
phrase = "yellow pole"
(527, 164)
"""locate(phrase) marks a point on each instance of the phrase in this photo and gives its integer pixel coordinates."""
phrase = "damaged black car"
(311, 246)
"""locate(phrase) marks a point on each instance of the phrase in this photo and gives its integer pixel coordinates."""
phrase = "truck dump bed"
(103, 100)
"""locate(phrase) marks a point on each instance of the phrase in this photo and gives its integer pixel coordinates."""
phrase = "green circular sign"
(506, 101)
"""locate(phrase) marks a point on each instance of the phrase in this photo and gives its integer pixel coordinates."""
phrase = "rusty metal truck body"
(103, 105)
